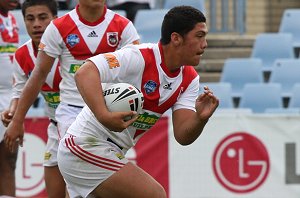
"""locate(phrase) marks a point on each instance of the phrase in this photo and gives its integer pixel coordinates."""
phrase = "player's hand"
(206, 104)
(13, 136)
(118, 121)
(6, 117)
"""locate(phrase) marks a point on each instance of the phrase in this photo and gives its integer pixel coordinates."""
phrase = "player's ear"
(176, 38)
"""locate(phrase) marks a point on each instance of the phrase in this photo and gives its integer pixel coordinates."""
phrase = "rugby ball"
(123, 97)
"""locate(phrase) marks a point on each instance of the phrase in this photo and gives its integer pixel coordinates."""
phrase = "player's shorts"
(65, 115)
(85, 162)
(50, 158)
(4, 104)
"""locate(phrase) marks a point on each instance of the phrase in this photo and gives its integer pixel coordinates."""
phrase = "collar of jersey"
(91, 23)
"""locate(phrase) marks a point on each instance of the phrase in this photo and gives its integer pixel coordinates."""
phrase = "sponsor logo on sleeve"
(42, 46)
(111, 60)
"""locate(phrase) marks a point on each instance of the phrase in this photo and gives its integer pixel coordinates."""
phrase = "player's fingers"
(133, 116)
(11, 145)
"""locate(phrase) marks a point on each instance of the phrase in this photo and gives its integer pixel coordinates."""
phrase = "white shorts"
(50, 158)
(85, 162)
(65, 115)
(5, 98)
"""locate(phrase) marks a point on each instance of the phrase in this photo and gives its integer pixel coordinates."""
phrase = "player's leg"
(89, 162)
(130, 182)
(7, 171)
(55, 184)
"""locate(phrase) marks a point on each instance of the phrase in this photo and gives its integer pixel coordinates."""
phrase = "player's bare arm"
(15, 131)
(92, 93)
(187, 124)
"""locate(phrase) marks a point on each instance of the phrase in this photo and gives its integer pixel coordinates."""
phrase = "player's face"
(37, 18)
(194, 44)
(6, 5)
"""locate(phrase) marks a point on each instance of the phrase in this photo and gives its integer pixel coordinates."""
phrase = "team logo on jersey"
(112, 39)
(150, 86)
(72, 39)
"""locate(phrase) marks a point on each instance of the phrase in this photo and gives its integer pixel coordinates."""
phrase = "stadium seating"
(239, 71)
(283, 111)
(295, 97)
(222, 90)
(271, 46)
(290, 24)
(121, 12)
(287, 73)
(22, 29)
(199, 4)
(38, 108)
(260, 96)
(148, 24)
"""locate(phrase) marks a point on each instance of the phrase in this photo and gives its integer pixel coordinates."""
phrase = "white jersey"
(73, 40)
(142, 66)
(24, 63)
(9, 40)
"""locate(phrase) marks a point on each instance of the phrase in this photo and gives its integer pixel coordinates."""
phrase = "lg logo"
(241, 162)
(30, 170)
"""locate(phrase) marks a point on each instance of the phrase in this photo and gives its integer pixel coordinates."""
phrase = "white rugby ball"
(123, 97)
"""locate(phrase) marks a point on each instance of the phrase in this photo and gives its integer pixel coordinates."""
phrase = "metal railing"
(232, 17)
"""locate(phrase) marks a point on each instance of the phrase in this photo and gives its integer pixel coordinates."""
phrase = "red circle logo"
(241, 162)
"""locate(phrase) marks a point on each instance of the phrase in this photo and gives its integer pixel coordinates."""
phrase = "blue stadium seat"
(148, 24)
(120, 12)
(295, 97)
(287, 73)
(239, 71)
(222, 91)
(62, 12)
(260, 96)
(271, 46)
(290, 24)
(199, 4)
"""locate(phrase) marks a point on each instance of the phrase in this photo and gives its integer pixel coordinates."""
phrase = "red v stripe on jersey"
(80, 51)
(91, 158)
(118, 25)
(151, 74)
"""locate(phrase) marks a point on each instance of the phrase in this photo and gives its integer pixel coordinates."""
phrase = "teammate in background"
(91, 155)
(37, 16)
(85, 31)
(9, 41)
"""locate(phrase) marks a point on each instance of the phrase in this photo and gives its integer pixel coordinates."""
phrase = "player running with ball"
(91, 155)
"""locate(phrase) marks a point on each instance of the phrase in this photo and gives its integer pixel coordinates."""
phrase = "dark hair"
(180, 19)
(51, 4)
